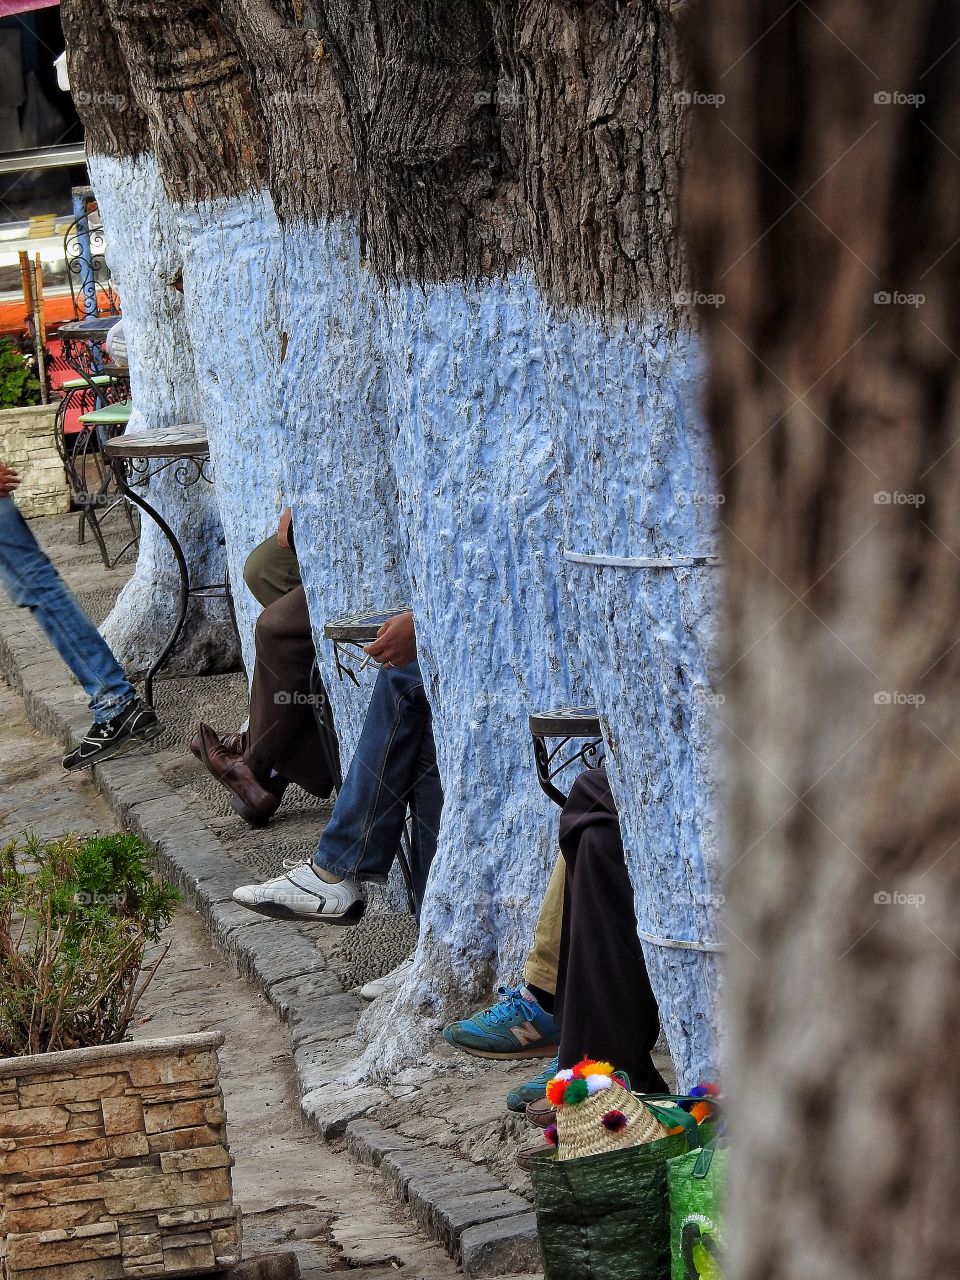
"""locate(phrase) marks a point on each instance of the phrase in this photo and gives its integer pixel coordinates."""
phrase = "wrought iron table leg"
(184, 594)
(542, 759)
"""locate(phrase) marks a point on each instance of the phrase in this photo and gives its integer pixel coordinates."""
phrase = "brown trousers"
(282, 735)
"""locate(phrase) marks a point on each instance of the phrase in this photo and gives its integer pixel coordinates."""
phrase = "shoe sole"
(277, 911)
(250, 818)
(116, 749)
(532, 1051)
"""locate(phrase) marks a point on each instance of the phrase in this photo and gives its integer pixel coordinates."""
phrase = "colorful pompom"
(550, 1133)
(705, 1090)
(588, 1067)
(615, 1121)
(565, 1074)
(597, 1083)
(576, 1091)
(701, 1111)
(555, 1091)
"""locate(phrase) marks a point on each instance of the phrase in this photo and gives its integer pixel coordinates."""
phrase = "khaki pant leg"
(544, 957)
(271, 571)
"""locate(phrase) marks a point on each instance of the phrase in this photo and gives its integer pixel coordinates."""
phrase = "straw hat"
(595, 1113)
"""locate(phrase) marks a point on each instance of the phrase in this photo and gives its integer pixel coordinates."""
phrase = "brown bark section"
(418, 81)
(589, 98)
(807, 199)
(312, 172)
(113, 122)
(187, 75)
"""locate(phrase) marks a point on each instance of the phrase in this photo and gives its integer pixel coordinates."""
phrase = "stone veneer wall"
(27, 444)
(114, 1162)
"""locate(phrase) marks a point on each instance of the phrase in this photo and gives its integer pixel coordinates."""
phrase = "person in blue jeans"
(120, 718)
(393, 767)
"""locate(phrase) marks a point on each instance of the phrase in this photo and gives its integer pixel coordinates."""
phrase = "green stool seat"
(111, 415)
(77, 384)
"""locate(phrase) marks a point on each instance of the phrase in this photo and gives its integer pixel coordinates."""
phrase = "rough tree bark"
(600, 93)
(186, 75)
(144, 258)
(824, 206)
(478, 479)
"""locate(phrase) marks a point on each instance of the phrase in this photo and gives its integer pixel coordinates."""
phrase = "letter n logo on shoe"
(527, 1034)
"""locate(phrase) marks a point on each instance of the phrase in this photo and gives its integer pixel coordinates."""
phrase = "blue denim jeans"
(33, 583)
(394, 765)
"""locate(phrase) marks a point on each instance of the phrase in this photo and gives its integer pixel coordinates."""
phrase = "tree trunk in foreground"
(824, 206)
(209, 145)
(144, 258)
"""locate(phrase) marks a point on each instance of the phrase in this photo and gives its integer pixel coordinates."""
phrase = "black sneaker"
(135, 723)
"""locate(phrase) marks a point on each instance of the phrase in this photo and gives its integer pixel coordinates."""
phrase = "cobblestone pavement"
(439, 1132)
(296, 1192)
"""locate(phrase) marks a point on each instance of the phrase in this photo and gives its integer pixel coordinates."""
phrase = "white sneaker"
(300, 894)
(389, 983)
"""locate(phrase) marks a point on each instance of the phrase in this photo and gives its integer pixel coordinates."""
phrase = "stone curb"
(486, 1228)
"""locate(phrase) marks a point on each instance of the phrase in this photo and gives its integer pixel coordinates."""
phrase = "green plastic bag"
(696, 1181)
(607, 1216)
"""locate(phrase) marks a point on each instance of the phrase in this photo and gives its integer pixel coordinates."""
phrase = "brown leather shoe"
(254, 803)
(541, 1113)
(232, 743)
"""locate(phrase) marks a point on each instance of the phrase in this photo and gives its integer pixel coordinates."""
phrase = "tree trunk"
(477, 475)
(824, 206)
(144, 258)
(338, 436)
(186, 75)
(599, 94)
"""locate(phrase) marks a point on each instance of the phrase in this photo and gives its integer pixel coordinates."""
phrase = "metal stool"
(567, 724)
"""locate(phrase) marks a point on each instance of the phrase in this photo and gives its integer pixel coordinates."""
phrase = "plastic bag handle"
(674, 1116)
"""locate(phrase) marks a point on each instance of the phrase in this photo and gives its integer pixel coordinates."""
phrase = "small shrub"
(76, 917)
(18, 386)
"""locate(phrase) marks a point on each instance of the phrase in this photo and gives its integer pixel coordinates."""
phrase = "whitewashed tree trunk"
(339, 445)
(481, 504)
(231, 269)
(144, 259)
(638, 482)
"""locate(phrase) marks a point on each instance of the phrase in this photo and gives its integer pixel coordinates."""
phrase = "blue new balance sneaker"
(515, 1027)
(533, 1090)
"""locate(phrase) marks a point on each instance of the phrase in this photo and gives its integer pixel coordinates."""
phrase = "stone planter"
(114, 1162)
(27, 444)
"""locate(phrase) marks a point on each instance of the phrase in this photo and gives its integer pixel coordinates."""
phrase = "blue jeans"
(394, 765)
(33, 583)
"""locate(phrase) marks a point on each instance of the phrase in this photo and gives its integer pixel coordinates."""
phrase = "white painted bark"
(144, 258)
(339, 445)
(232, 270)
(481, 513)
(638, 482)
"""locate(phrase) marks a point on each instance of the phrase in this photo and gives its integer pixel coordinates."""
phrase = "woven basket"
(581, 1131)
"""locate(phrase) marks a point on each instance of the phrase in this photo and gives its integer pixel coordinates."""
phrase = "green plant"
(18, 386)
(76, 918)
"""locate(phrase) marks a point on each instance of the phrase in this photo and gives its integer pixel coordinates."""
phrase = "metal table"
(135, 460)
(567, 724)
(352, 633)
